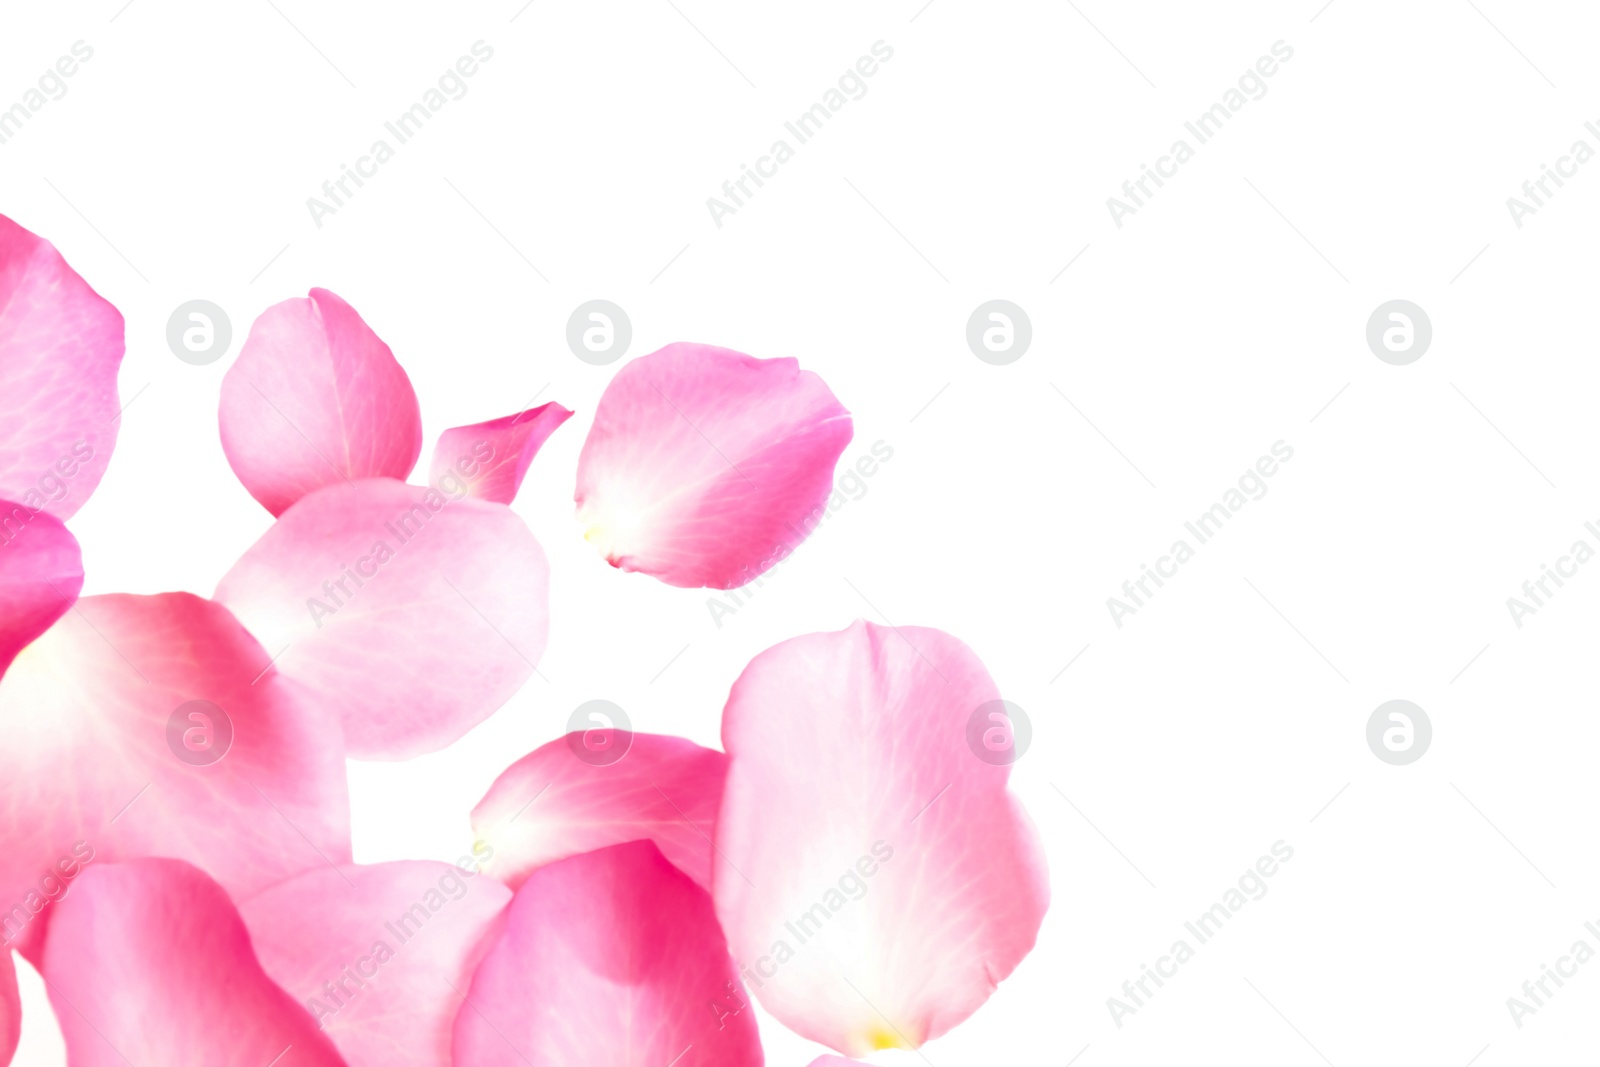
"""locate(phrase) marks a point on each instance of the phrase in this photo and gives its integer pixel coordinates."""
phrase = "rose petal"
(551, 804)
(148, 963)
(860, 831)
(413, 614)
(706, 467)
(315, 399)
(10, 1008)
(492, 457)
(41, 572)
(608, 959)
(60, 346)
(373, 952)
(90, 770)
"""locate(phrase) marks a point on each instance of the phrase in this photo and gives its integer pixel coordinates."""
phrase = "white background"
(1172, 353)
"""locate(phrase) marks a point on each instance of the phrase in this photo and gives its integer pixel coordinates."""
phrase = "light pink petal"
(410, 613)
(608, 959)
(490, 458)
(550, 804)
(834, 1061)
(860, 832)
(41, 572)
(315, 399)
(147, 963)
(10, 1008)
(60, 347)
(373, 952)
(706, 467)
(90, 770)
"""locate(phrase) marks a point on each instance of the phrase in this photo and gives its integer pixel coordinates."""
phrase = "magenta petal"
(411, 614)
(104, 758)
(10, 1008)
(550, 804)
(60, 347)
(373, 952)
(608, 959)
(490, 458)
(147, 963)
(41, 572)
(855, 813)
(315, 399)
(705, 467)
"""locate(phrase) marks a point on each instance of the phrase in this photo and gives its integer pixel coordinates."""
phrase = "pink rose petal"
(60, 346)
(608, 959)
(490, 458)
(90, 770)
(859, 831)
(10, 1008)
(550, 804)
(315, 399)
(147, 963)
(373, 952)
(705, 467)
(41, 572)
(410, 614)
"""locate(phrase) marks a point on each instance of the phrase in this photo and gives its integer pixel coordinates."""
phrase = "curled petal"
(315, 399)
(859, 829)
(151, 726)
(706, 467)
(411, 613)
(373, 952)
(610, 958)
(490, 458)
(10, 1008)
(41, 572)
(552, 804)
(60, 346)
(147, 962)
